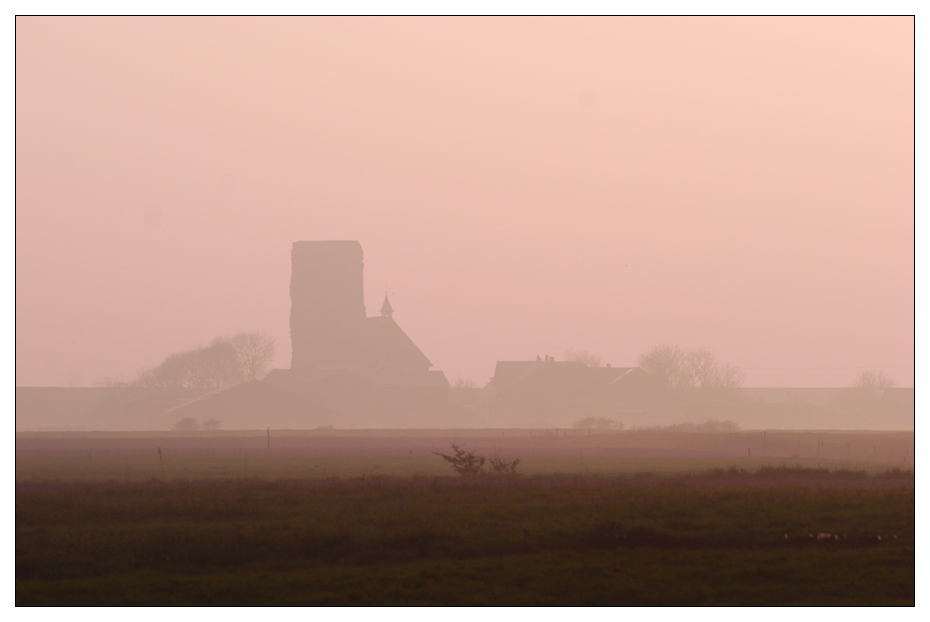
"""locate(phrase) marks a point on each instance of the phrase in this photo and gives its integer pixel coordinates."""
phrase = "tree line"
(677, 368)
(225, 361)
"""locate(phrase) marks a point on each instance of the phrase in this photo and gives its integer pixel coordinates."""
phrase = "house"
(561, 392)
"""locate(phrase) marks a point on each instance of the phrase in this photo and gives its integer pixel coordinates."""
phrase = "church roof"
(386, 307)
(253, 403)
(387, 346)
(407, 378)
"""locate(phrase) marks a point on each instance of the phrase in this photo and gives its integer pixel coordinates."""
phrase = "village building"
(561, 392)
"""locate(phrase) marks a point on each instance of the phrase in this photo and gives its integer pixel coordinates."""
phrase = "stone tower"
(327, 303)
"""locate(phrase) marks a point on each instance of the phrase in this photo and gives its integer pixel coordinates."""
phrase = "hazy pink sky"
(519, 186)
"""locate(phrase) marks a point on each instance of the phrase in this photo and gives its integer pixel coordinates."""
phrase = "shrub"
(502, 466)
(597, 423)
(711, 426)
(464, 462)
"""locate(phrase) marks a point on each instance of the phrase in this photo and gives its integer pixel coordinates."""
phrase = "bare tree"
(224, 367)
(731, 377)
(706, 372)
(110, 382)
(225, 362)
(172, 373)
(464, 462)
(700, 368)
(690, 369)
(206, 367)
(583, 356)
(873, 379)
(667, 364)
(255, 352)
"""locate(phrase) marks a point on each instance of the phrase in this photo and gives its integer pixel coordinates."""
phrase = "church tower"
(327, 303)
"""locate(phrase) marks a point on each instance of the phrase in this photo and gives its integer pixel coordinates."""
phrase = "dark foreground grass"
(715, 539)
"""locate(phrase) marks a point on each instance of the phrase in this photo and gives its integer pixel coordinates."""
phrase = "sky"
(519, 186)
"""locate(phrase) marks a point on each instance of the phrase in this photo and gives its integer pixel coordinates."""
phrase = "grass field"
(329, 453)
(376, 518)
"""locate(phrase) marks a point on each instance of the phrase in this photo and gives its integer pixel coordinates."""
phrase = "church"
(365, 368)
(347, 370)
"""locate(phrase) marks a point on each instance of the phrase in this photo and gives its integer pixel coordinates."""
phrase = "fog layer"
(520, 187)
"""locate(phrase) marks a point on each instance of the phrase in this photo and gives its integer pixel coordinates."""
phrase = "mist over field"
(465, 311)
(350, 371)
(520, 187)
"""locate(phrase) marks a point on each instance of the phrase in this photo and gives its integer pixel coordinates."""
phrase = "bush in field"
(212, 424)
(597, 423)
(710, 426)
(873, 379)
(464, 462)
(186, 424)
(502, 466)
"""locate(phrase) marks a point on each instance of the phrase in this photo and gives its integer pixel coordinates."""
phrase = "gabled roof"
(510, 372)
(385, 345)
(608, 374)
(407, 379)
(251, 400)
(623, 374)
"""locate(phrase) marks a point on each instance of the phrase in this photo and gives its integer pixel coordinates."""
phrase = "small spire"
(386, 310)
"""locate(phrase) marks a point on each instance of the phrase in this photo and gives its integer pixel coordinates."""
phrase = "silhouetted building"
(97, 408)
(254, 404)
(366, 368)
(327, 303)
(561, 392)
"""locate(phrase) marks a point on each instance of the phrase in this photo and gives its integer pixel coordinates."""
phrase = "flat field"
(135, 456)
(374, 518)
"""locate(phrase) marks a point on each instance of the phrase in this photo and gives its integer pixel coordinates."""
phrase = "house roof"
(301, 380)
(561, 373)
(406, 378)
(623, 374)
(510, 372)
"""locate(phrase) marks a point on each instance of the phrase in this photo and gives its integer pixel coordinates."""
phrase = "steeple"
(386, 310)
